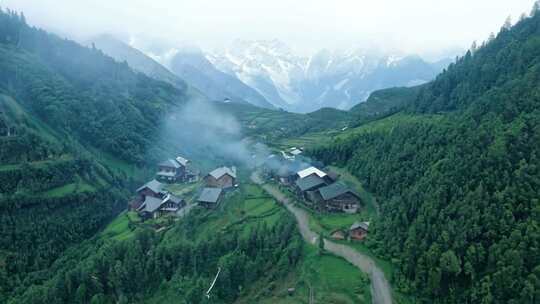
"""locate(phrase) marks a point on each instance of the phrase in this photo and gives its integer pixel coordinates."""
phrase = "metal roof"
(309, 182)
(153, 185)
(172, 198)
(334, 190)
(210, 195)
(171, 163)
(150, 204)
(363, 225)
(310, 171)
(182, 161)
(219, 172)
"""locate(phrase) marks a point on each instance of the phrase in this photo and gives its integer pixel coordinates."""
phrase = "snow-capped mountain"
(192, 65)
(268, 66)
(339, 79)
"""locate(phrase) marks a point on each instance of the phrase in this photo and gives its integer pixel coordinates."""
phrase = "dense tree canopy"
(460, 190)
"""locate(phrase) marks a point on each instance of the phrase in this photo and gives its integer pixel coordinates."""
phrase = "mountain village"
(316, 189)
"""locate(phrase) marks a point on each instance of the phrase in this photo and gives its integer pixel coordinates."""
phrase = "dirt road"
(380, 288)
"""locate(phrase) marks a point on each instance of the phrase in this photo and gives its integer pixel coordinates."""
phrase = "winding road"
(380, 288)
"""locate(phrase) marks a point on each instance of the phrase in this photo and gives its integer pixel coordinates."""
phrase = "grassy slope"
(333, 279)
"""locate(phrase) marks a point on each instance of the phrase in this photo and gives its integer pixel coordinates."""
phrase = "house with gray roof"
(337, 197)
(307, 187)
(210, 197)
(222, 177)
(154, 207)
(312, 182)
(182, 161)
(359, 230)
(171, 170)
(152, 188)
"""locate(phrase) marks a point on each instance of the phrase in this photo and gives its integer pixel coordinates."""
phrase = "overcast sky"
(412, 26)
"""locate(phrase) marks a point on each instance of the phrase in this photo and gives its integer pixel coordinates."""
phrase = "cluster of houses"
(153, 200)
(217, 183)
(317, 189)
(358, 231)
(291, 153)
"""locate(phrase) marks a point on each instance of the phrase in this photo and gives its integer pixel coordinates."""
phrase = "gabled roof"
(219, 172)
(362, 225)
(210, 195)
(172, 198)
(170, 163)
(153, 185)
(309, 182)
(334, 190)
(310, 171)
(182, 161)
(150, 204)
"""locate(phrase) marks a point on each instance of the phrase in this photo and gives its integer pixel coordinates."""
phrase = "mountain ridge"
(338, 79)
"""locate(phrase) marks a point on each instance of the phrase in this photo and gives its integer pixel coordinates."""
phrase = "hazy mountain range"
(338, 79)
(269, 74)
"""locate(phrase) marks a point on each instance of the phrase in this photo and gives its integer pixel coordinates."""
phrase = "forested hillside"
(78, 131)
(268, 125)
(460, 190)
(71, 121)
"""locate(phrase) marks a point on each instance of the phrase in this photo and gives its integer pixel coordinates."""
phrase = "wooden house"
(151, 189)
(337, 197)
(153, 207)
(210, 197)
(171, 171)
(307, 187)
(223, 178)
(358, 231)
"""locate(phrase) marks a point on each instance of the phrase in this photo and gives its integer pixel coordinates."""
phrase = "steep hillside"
(136, 59)
(269, 125)
(459, 190)
(75, 123)
(385, 102)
